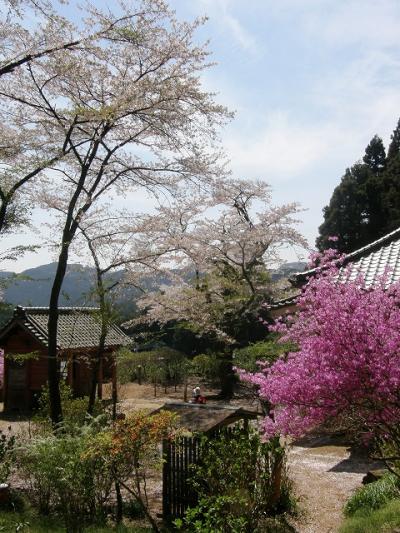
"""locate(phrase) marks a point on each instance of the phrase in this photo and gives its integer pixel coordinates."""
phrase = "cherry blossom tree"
(32, 32)
(224, 245)
(347, 363)
(118, 243)
(122, 113)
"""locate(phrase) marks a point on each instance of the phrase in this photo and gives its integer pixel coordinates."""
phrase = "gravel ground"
(325, 475)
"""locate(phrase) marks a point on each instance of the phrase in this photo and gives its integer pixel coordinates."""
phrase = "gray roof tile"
(371, 261)
(78, 327)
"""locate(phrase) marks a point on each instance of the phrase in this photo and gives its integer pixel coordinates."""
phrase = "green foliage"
(6, 310)
(29, 521)
(374, 495)
(164, 366)
(218, 514)
(62, 478)
(22, 357)
(240, 481)
(74, 409)
(386, 519)
(366, 203)
(206, 366)
(269, 350)
(7, 446)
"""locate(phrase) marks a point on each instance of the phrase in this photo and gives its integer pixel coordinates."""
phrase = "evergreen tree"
(375, 155)
(391, 196)
(394, 147)
(361, 209)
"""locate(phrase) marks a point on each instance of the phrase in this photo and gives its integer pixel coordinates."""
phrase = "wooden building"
(77, 339)
(381, 257)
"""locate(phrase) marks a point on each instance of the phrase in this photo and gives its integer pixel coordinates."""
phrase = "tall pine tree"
(366, 203)
(391, 196)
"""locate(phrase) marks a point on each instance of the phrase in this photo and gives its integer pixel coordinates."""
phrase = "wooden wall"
(23, 381)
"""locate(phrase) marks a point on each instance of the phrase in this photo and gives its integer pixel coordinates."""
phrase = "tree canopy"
(366, 203)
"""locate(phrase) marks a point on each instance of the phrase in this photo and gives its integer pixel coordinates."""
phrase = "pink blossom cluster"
(348, 358)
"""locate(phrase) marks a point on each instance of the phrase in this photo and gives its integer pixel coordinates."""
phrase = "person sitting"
(197, 397)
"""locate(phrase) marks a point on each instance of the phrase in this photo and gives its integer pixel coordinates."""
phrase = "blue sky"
(311, 82)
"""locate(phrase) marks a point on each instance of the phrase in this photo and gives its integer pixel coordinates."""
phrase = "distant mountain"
(32, 287)
(287, 269)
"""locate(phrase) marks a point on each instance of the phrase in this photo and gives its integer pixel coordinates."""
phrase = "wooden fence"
(178, 495)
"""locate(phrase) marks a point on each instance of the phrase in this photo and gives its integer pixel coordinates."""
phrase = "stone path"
(325, 474)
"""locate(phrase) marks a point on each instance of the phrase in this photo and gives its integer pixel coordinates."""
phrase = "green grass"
(29, 522)
(385, 520)
(374, 495)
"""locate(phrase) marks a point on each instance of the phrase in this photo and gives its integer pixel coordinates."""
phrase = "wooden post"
(100, 381)
(166, 447)
(70, 372)
(114, 389)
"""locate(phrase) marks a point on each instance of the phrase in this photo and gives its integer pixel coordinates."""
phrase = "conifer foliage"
(366, 203)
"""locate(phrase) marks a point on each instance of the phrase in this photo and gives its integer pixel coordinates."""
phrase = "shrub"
(269, 350)
(130, 450)
(164, 366)
(240, 482)
(7, 444)
(386, 519)
(207, 366)
(63, 478)
(347, 363)
(74, 409)
(374, 495)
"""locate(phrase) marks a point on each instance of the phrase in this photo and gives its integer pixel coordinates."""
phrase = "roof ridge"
(39, 309)
(386, 239)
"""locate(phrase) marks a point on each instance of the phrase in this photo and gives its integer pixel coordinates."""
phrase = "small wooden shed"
(207, 418)
(185, 451)
(77, 339)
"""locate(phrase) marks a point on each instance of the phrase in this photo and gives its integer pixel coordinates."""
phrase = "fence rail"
(178, 495)
(179, 455)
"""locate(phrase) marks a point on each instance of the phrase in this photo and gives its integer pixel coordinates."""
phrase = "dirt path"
(325, 474)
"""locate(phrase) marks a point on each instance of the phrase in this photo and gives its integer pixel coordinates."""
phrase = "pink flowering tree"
(347, 363)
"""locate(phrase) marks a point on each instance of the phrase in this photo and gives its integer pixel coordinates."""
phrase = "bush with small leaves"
(374, 495)
(241, 481)
(7, 446)
(62, 477)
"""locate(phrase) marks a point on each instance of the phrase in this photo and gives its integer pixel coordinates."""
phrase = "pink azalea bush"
(347, 363)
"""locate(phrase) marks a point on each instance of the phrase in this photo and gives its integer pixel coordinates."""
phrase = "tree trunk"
(96, 368)
(227, 377)
(119, 510)
(53, 373)
(277, 473)
(3, 213)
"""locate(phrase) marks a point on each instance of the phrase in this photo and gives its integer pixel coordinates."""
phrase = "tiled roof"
(371, 261)
(284, 302)
(78, 327)
(206, 418)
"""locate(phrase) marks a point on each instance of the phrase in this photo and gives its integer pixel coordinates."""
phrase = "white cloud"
(367, 22)
(282, 149)
(221, 12)
(244, 38)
